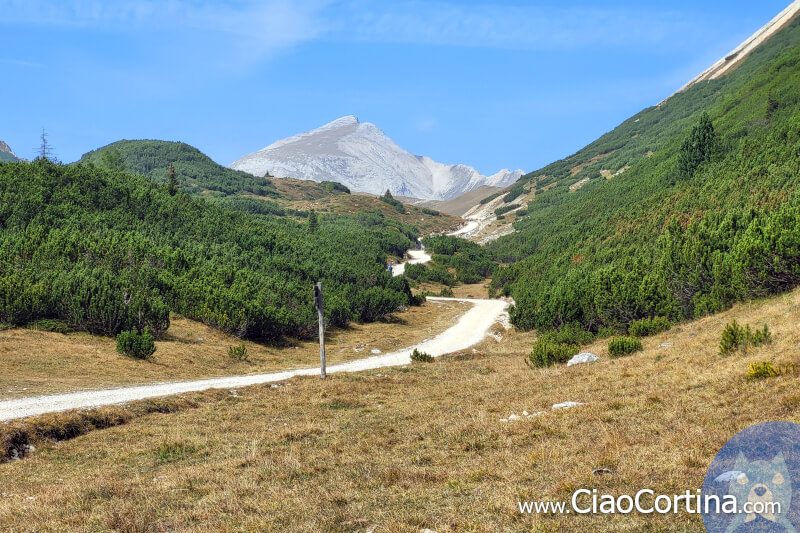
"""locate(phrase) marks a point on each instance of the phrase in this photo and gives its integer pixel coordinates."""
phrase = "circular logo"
(753, 483)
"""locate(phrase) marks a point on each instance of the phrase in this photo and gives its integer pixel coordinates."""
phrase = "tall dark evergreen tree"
(172, 182)
(313, 221)
(697, 148)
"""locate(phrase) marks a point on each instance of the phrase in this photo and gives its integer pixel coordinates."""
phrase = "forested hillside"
(690, 206)
(107, 251)
(195, 172)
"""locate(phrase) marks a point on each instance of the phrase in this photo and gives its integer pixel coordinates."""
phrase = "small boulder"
(513, 417)
(566, 405)
(585, 357)
(601, 471)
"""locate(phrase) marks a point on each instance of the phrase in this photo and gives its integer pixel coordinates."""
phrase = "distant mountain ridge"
(6, 154)
(360, 156)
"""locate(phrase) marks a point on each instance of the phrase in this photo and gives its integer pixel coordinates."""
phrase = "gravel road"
(470, 329)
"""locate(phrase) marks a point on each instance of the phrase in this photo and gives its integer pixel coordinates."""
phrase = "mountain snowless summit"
(6, 154)
(737, 56)
(360, 156)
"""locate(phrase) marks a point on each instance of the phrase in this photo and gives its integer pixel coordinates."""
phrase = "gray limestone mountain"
(6, 154)
(360, 156)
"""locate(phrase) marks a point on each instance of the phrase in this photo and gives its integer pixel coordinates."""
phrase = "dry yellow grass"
(36, 362)
(304, 195)
(476, 290)
(421, 446)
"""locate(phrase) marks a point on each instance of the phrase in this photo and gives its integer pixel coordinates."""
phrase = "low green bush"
(648, 326)
(572, 333)
(548, 351)
(135, 344)
(762, 370)
(515, 192)
(505, 209)
(435, 273)
(431, 212)
(331, 186)
(421, 357)
(619, 346)
(50, 324)
(560, 345)
(238, 352)
(446, 292)
(392, 201)
(489, 198)
(736, 337)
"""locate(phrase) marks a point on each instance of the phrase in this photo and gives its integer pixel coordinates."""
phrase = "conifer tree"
(172, 182)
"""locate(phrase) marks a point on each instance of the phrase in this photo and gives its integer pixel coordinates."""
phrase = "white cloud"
(262, 27)
(426, 124)
(513, 27)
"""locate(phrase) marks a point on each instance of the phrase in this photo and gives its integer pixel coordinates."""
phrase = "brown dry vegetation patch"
(35, 362)
(475, 290)
(576, 169)
(421, 446)
(305, 195)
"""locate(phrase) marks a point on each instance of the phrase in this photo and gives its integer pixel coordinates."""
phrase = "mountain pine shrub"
(548, 351)
(648, 326)
(421, 357)
(50, 324)
(736, 337)
(238, 352)
(619, 346)
(135, 344)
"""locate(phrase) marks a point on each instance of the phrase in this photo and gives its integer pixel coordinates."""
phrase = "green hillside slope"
(195, 172)
(704, 213)
(107, 251)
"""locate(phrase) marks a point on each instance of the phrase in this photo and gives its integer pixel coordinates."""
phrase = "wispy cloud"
(22, 63)
(426, 124)
(261, 27)
(513, 27)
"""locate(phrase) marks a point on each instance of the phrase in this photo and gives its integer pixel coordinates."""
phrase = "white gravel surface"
(470, 329)
(417, 257)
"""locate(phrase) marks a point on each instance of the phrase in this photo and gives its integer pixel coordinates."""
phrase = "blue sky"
(490, 84)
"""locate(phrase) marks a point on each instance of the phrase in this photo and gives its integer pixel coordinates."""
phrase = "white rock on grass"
(585, 357)
(566, 405)
(525, 414)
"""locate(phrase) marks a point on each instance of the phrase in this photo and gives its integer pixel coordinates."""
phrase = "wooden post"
(318, 303)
